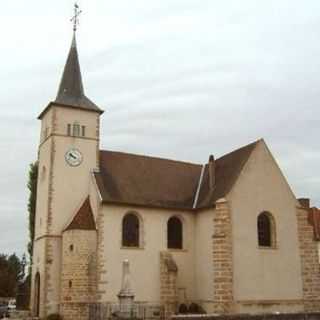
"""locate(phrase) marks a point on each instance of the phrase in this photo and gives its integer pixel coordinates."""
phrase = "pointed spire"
(71, 90)
(74, 42)
(71, 83)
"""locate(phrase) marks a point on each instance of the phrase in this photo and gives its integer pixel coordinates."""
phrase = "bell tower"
(68, 152)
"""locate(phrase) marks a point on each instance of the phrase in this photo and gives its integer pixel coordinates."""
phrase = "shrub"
(183, 309)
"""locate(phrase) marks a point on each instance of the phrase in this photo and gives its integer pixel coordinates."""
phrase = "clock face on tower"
(73, 157)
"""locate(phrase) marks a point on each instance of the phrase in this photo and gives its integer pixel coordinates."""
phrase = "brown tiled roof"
(83, 220)
(147, 181)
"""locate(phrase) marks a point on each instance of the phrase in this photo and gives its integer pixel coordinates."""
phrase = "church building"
(228, 235)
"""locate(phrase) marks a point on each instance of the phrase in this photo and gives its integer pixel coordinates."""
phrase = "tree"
(11, 274)
(3, 276)
(32, 186)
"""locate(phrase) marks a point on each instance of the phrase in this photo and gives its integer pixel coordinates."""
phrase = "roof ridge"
(153, 157)
(134, 179)
(240, 149)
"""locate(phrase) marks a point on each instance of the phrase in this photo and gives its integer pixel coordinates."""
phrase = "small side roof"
(83, 219)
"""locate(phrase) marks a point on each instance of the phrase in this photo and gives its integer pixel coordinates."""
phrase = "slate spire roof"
(71, 91)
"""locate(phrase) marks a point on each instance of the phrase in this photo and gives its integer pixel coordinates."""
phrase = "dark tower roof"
(71, 92)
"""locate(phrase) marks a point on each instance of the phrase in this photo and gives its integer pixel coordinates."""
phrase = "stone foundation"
(75, 310)
(310, 267)
(78, 279)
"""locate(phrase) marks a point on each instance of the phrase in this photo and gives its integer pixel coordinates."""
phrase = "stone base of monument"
(126, 295)
(126, 306)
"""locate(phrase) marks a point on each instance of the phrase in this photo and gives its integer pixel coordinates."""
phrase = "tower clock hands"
(73, 156)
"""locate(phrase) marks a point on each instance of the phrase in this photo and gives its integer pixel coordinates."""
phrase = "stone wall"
(309, 261)
(168, 283)
(101, 259)
(75, 310)
(78, 278)
(222, 259)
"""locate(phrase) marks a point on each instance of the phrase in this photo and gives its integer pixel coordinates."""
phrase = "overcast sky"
(178, 79)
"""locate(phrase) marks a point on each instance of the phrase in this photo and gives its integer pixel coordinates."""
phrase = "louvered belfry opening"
(130, 230)
(174, 233)
(264, 226)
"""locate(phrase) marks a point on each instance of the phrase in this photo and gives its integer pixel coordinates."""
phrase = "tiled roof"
(83, 220)
(227, 170)
(147, 181)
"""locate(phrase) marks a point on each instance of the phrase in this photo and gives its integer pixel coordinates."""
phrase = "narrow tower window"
(76, 129)
(83, 131)
(130, 230)
(174, 235)
(69, 129)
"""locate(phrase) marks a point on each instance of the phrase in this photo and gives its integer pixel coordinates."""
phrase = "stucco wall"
(72, 181)
(43, 189)
(53, 274)
(82, 117)
(262, 275)
(203, 256)
(46, 126)
(144, 261)
(66, 180)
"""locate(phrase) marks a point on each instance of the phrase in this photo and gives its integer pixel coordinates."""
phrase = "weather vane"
(75, 18)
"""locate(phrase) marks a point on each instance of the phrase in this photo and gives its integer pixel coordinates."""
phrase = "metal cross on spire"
(75, 18)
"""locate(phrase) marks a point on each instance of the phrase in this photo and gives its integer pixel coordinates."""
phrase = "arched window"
(266, 230)
(174, 233)
(130, 230)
